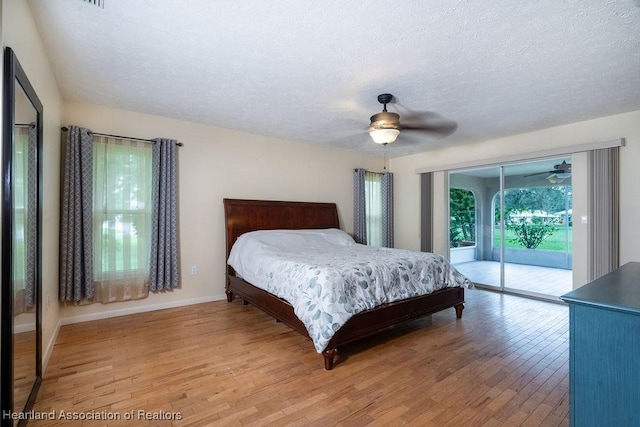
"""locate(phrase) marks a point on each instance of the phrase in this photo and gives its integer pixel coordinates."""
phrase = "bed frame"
(249, 215)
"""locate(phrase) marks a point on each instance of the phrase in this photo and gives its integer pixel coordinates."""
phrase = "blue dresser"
(604, 371)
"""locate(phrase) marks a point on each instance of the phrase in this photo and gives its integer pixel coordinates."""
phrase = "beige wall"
(407, 182)
(20, 33)
(215, 163)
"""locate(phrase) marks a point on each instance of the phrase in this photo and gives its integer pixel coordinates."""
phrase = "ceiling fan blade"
(539, 173)
(427, 121)
(442, 129)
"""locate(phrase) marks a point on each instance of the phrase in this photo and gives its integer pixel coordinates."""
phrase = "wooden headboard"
(242, 216)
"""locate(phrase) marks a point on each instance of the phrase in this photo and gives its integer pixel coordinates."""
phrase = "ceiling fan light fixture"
(555, 179)
(384, 136)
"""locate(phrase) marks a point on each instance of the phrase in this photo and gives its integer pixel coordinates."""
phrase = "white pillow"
(254, 244)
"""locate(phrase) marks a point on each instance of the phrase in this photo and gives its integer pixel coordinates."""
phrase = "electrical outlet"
(194, 270)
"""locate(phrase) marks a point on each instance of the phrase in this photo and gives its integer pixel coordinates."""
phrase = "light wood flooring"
(504, 363)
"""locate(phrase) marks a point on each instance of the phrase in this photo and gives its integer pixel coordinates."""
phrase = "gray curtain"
(604, 206)
(76, 254)
(359, 207)
(426, 213)
(31, 226)
(387, 209)
(163, 274)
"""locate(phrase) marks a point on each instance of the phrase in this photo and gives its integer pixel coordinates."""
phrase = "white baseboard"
(138, 309)
(49, 349)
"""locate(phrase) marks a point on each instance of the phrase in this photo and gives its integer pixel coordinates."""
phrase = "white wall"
(407, 195)
(215, 163)
(20, 33)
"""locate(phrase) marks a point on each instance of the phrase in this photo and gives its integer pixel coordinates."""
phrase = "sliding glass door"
(472, 224)
(522, 221)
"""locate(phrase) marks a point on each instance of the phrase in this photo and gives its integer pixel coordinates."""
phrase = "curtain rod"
(64, 128)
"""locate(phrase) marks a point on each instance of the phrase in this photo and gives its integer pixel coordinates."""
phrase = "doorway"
(510, 226)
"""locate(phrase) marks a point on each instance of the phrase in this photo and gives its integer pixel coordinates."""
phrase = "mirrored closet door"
(21, 243)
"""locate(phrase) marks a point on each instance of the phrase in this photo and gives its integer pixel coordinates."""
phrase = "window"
(19, 205)
(121, 209)
(119, 206)
(25, 217)
(373, 207)
(24, 214)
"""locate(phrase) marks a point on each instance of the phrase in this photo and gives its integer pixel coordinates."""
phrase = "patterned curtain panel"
(604, 206)
(387, 209)
(359, 208)
(31, 232)
(164, 273)
(76, 252)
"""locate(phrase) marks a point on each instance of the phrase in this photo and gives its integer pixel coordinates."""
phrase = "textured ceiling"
(310, 71)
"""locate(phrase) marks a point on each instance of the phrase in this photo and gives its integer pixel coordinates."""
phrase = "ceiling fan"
(559, 173)
(385, 126)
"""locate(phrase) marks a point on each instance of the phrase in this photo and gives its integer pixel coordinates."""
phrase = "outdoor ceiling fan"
(385, 126)
(559, 173)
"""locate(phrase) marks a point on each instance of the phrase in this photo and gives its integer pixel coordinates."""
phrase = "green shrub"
(530, 232)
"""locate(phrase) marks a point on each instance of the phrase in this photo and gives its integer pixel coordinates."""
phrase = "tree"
(549, 199)
(530, 231)
(454, 238)
(462, 208)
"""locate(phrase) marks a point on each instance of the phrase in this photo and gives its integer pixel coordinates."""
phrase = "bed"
(245, 216)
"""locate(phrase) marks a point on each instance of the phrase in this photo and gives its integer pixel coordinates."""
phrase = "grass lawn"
(555, 242)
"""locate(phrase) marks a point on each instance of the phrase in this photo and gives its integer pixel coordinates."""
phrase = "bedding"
(328, 278)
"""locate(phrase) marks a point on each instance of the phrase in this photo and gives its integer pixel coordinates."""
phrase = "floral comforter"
(328, 278)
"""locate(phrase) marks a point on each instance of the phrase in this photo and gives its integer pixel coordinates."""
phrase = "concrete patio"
(530, 278)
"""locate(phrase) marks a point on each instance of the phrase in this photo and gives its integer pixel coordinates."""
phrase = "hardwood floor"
(504, 363)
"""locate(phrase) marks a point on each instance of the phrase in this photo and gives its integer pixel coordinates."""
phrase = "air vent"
(99, 3)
